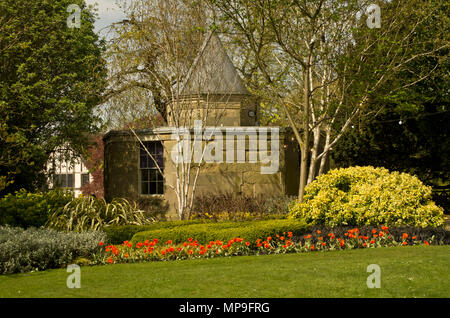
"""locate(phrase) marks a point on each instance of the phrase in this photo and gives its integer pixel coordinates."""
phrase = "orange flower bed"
(282, 243)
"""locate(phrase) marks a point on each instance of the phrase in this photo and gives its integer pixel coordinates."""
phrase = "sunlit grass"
(416, 271)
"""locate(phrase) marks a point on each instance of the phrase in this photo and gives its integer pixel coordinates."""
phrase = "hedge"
(118, 234)
(224, 231)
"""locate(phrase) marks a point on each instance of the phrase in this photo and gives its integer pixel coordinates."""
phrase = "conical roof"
(213, 72)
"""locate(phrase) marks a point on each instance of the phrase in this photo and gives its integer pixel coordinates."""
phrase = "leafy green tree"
(411, 131)
(51, 78)
(405, 125)
(330, 62)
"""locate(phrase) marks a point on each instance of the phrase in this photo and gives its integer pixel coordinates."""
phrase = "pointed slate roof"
(213, 72)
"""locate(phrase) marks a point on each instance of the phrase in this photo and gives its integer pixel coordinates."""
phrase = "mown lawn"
(416, 271)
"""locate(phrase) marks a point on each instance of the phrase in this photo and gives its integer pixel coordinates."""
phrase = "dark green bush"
(118, 234)
(224, 231)
(25, 209)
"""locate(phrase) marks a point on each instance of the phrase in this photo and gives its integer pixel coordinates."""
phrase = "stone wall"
(122, 177)
(216, 110)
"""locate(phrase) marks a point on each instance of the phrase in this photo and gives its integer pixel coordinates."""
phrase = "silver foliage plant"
(40, 249)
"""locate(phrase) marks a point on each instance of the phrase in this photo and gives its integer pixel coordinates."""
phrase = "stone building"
(217, 119)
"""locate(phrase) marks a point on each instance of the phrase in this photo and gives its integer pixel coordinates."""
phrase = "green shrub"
(368, 196)
(25, 209)
(39, 249)
(224, 231)
(90, 213)
(119, 234)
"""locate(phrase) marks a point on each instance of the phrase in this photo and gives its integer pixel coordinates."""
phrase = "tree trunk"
(323, 160)
(313, 162)
(303, 174)
(305, 150)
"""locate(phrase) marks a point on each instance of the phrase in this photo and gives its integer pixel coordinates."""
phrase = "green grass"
(416, 271)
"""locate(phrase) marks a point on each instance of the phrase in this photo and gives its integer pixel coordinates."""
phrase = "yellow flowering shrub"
(368, 196)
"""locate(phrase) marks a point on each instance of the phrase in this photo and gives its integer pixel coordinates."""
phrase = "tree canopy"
(321, 62)
(51, 78)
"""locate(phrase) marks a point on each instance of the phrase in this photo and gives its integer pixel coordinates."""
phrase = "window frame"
(65, 177)
(160, 183)
(84, 174)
